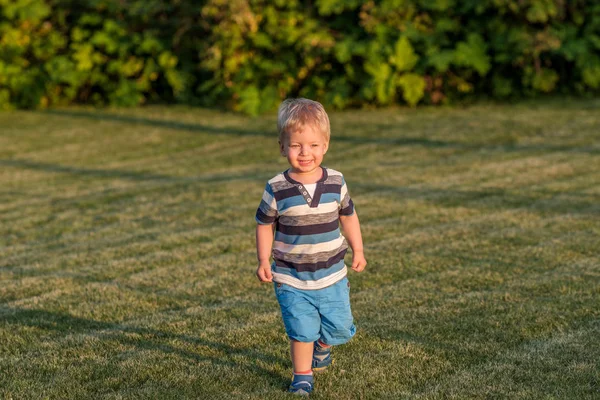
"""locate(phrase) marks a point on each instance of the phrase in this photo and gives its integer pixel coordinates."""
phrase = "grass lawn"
(127, 254)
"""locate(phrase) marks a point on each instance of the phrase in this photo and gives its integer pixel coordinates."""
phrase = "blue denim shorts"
(323, 314)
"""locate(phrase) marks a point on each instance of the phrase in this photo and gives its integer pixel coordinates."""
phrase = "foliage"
(363, 52)
(250, 54)
(99, 52)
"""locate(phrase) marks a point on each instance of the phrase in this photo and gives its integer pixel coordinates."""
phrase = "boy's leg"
(302, 382)
(337, 325)
(302, 324)
(321, 356)
(302, 354)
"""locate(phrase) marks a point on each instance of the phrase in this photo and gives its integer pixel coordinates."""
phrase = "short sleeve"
(266, 213)
(346, 204)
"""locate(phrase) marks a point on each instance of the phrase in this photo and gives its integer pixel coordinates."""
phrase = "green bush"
(248, 55)
(98, 52)
(349, 53)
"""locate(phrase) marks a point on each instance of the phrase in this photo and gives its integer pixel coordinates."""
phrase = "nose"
(304, 150)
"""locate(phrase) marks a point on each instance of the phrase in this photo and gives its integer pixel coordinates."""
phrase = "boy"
(298, 219)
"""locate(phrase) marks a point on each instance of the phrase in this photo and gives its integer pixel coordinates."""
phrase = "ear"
(281, 148)
(326, 147)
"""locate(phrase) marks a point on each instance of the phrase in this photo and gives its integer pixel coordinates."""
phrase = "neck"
(307, 177)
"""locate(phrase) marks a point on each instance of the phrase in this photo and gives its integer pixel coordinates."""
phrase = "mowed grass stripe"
(153, 241)
(203, 187)
(427, 237)
(122, 262)
(163, 270)
(98, 204)
(549, 363)
(424, 346)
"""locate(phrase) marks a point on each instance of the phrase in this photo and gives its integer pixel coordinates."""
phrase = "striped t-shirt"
(309, 249)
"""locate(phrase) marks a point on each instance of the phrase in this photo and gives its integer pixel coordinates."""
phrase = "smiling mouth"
(304, 162)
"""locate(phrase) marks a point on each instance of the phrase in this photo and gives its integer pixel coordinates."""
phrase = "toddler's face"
(304, 150)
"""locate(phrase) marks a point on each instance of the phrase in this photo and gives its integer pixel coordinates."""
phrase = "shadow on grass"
(505, 144)
(542, 201)
(129, 175)
(101, 198)
(201, 128)
(182, 126)
(96, 173)
(149, 339)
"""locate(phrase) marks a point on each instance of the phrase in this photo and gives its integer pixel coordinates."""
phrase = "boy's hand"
(358, 261)
(263, 272)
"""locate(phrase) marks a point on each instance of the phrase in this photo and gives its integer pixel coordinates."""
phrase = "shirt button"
(308, 198)
(304, 193)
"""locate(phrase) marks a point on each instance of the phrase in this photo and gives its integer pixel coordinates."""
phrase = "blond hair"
(295, 114)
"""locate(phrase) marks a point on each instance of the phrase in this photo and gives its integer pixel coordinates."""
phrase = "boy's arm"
(351, 228)
(264, 243)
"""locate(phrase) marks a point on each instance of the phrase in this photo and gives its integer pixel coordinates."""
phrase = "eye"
(315, 145)
(294, 146)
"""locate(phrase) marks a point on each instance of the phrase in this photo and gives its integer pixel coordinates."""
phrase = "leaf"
(502, 87)
(262, 40)
(574, 48)
(329, 7)
(541, 11)
(132, 67)
(176, 81)
(437, 5)
(441, 60)
(413, 88)
(545, 80)
(339, 93)
(83, 56)
(404, 57)
(591, 76)
(343, 51)
(167, 60)
(383, 82)
(126, 94)
(150, 45)
(249, 100)
(473, 53)
(5, 104)
(595, 41)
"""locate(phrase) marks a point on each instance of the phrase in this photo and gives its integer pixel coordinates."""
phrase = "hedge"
(248, 55)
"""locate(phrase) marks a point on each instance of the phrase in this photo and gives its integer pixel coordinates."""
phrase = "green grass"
(127, 254)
